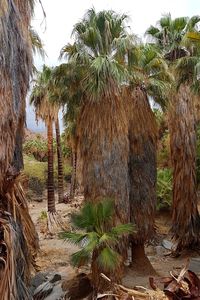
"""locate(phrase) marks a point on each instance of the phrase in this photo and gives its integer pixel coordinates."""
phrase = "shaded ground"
(55, 254)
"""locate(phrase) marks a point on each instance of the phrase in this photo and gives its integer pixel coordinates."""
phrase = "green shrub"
(164, 188)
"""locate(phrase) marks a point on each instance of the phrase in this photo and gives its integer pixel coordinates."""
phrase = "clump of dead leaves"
(186, 285)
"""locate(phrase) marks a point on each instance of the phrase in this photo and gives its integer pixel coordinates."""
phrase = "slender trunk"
(103, 150)
(73, 178)
(60, 164)
(185, 218)
(50, 183)
(142, 167)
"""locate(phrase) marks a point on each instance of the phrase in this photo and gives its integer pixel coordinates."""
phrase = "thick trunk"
(142, 171)
(60, 164)
(18, 162)
(185, 219)
(73, 178)
(103, 150)
(142, 164)
(50, 183)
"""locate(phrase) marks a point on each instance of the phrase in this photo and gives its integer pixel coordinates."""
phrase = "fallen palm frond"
(186, 285)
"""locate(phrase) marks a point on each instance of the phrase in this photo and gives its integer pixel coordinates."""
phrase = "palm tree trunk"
(73, 178)
(142, 170)
(103, 150)
(185, 218)
(60, 163)
(50, 183)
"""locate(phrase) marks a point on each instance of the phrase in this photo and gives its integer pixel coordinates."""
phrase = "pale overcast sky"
(61, 15)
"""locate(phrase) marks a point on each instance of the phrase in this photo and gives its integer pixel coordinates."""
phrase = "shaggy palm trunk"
(60, 164)
(185, 219)
(50, 183)
(103, 150)
(17, 241)
(142, 172)
(73, 178)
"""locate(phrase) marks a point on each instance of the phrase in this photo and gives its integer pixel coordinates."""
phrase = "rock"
(77, 288)
(54, 278)
(167, 245)
(43, 291)
(194, 265)
(37, 280)
(56, 294)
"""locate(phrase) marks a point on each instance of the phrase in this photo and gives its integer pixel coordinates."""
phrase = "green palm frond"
(72, 237)
(122, 229)
(109, 259)
(80, 258)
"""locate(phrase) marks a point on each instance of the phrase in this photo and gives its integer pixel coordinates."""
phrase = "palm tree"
(48, 112)
(17, 242)
(148, 78)
(102, 127)
(169, 36)
(98, 241)
(60, 163)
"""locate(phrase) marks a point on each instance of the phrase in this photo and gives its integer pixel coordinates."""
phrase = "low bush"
(164, 188)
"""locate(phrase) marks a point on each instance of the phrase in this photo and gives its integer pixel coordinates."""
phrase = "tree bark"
(142, 167)
(50, 183)
(185, 217)
(103, 151)
(60, 163)
(73, 178)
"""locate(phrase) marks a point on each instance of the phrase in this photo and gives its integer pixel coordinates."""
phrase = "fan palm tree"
(98, 241)
(17, 242)
(48, 112)
(102, 127)
(170, 37)
(148, 78)
(67, 80)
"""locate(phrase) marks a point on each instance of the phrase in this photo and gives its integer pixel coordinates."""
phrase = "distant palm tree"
(48, 112)
(98, 241)
(170, 36)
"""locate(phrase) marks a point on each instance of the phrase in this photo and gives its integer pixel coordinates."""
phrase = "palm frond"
(122, 229)
(72, 237)
(80, 258)
(109, 259)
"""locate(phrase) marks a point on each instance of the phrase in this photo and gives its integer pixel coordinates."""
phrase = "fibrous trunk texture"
(142, 172)
(142, 163)
(50, 183)
(60, 163)
(103, 152)
(15, 69)
(73, 178)
(185, 219)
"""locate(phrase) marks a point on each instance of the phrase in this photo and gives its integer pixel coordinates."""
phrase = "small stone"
(38, 279)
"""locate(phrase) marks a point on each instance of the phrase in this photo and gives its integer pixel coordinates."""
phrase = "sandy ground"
(55, 253)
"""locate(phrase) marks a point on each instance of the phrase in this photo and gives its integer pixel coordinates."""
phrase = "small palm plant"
(98, 241)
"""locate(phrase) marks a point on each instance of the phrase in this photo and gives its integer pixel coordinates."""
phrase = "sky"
(61, 15)
(55, 30)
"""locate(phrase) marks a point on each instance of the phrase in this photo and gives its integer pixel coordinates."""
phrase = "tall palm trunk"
(185, 219)
(60, 163)
(50, 183)
(73, 178)
(103, 150)
(142, 172)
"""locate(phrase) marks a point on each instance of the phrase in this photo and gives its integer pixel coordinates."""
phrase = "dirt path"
(55, 253)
